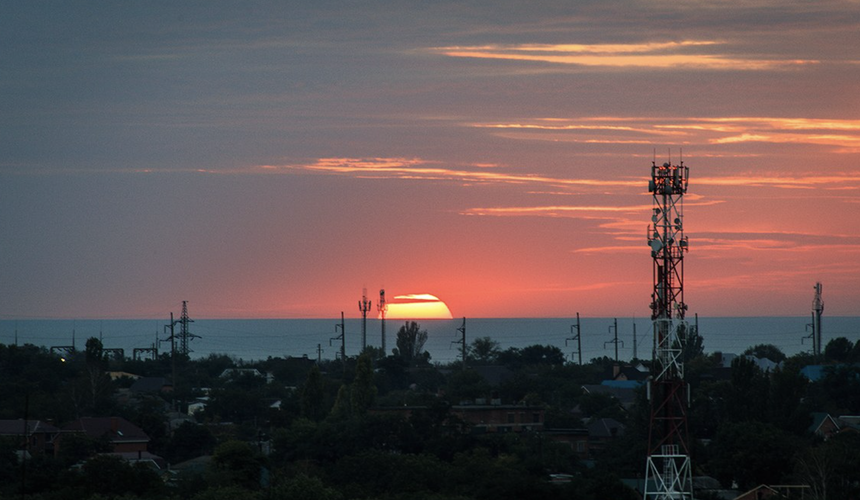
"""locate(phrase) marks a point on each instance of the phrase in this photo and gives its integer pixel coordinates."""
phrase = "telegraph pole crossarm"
(576, 338)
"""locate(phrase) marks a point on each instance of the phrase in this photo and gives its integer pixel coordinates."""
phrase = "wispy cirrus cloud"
(695, 54)
(839, 135)
(418, 169)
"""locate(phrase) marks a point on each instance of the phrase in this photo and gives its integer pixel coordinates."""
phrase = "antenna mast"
(363, 306)
(382, 307)
(668, 473)
(817, 311)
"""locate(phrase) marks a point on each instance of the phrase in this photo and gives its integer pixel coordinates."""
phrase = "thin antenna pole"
(382, 307)
(635, 356)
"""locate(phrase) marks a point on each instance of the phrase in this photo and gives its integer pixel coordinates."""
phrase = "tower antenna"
(668, 471)
(817, 311)
(363, 306)
(382, 307)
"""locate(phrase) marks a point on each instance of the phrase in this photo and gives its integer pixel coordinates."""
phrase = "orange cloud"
(411, 168)
(661, 55)
(842, 136)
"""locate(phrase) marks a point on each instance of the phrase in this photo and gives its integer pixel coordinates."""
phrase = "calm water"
(260, 338)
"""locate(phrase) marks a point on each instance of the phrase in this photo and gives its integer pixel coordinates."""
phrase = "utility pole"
(576, 338)
(363, 306)
(342, 338)
(615, 340)
(634, 340)
(172, 340)
(462, 342)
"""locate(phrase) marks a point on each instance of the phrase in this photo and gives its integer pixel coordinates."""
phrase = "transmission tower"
(668, 473)
(382, 307)
(364, 306)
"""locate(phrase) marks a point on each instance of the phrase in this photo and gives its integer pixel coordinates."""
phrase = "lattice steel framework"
(668, 472)
(364, 306)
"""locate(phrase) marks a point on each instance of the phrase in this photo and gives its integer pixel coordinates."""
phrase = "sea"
(250, 340)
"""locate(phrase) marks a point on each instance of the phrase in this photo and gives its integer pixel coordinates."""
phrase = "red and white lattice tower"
(668, 472)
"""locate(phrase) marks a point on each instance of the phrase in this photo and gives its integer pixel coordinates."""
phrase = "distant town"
(496, 424)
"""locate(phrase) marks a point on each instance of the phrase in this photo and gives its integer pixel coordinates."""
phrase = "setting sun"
(417, 306)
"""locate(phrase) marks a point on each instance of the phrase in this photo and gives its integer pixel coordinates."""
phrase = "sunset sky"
(271, 159)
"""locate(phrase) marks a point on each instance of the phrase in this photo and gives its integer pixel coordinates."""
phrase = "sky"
(272, 159)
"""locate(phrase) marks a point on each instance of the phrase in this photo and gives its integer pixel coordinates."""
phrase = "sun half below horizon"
(417, 306)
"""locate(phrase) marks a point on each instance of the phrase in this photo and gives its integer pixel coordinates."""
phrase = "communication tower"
(382, 307)
(817, 311)
(363, 306)
(668, 473)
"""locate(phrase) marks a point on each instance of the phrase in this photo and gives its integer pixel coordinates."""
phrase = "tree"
(768, 351)
(313, 395)
(98, 382)
(542, 355)
(363, 393)
(410, 343)
(484, 350)
(189, 440)
(838, 350)
(234, 464)
(752, 453)
(303, 487)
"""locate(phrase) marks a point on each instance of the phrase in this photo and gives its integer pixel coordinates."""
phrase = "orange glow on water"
(417, 306)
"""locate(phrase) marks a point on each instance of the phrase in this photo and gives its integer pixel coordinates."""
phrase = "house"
(763, 364)
(724, 359)
(497, 417)
(813, 372)
(576, 439)
(234, 373)
(849, 423)
(623, 392)
(775, 492)
(482, 417)
(122, 435)
(823, 425)
(140, 457)
(36, 437)
(602, 431)
(151, 385)
(121, 375)
(628, 373)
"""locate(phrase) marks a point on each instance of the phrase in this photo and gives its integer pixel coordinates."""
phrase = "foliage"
(752, 453)
(234, 463)
(839, 350)
(363, 391)
(188, 441)
(410, 344)
(768, 351)
(313, 395)
(483, 351)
